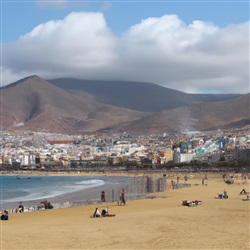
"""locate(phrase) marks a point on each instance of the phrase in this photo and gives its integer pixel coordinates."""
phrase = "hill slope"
(204, 116)
(33, 103)
(141, 96)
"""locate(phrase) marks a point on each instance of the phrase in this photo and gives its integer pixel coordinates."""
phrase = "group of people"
(104, 213)
(243, 191)
(47, 204)
(97, 213)
(121, 198)
(223, 195)
(193, 203)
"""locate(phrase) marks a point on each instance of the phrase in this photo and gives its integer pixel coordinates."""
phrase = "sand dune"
(157, 223)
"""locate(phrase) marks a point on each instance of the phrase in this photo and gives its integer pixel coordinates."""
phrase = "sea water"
(14, 189)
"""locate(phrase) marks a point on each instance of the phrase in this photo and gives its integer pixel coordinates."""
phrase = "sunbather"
(97, 213)
(186, 203)
(247, 199)
(220, 196)
(243, 191)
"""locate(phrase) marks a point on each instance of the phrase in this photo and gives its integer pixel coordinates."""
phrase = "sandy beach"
(160, 222)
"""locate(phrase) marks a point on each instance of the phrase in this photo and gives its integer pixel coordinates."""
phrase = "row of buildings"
(33, 150)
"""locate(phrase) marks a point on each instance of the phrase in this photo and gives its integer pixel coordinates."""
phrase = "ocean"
(31, 190)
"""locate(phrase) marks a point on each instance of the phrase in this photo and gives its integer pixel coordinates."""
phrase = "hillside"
(141, 96)
(204, 116)
(33, 103)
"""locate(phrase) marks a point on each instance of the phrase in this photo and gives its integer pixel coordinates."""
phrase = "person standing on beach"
(185, 178)
(123, 197)
(103, 196)
(20, 207)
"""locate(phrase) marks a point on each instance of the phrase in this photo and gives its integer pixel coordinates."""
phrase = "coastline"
(87, 195)
(92, 195)
(157, 223)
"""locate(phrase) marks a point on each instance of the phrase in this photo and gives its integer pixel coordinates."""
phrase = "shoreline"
(87, 195)
(159, 222)
(91, 195)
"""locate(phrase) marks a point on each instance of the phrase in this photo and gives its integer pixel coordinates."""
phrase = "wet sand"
(156, 223)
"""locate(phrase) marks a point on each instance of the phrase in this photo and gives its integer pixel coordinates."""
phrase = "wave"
(91, 182)
(51, 191)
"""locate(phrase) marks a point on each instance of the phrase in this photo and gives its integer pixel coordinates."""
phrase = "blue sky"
(205, 42)
(20, 17)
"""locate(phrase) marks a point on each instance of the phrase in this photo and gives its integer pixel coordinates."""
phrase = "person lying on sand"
(104, 213)
(243, 191)
(97, 213)
(247, 199)
(191, 203)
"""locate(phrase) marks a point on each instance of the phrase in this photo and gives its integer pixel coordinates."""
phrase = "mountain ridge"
(33, 103)
(116, 93)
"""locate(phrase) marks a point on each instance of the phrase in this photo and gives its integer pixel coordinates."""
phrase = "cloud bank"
(196, 58)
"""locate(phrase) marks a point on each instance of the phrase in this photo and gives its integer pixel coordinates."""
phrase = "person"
(123, 197)
(220, 195)
(105, 212)
(103, 198)
(243, 191)
(20, 207)
(120, 199)
(172, 184)
(97, 213)
(203, 182)
(5, 215)
(185, 203)
(225, 195)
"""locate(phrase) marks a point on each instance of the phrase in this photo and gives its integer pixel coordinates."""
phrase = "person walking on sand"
(203, 182)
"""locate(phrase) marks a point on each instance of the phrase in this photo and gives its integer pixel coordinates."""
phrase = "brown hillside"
(202, 116)
(33, 103)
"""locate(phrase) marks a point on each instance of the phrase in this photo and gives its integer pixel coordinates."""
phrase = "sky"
(191, 46)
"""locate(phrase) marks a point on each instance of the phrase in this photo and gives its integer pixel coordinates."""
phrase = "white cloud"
(197, 57)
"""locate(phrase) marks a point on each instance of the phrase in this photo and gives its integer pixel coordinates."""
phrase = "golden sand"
(157, 223)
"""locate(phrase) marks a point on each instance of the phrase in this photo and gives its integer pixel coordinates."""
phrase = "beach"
(158, 222)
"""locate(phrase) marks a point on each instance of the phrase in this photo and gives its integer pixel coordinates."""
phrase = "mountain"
(141, 96)
(33, 103)
(232, 113)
